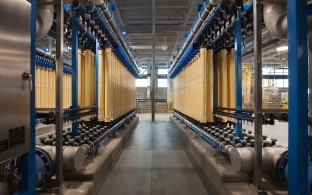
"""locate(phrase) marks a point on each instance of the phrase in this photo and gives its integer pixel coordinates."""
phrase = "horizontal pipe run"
(225, 114)
(215, 143)
(208, 14)
(99, 141)
(45, 54)
(207, 11)
(109, 17)
(100, 8)
(73, 160)
(242, 158)
(234, 109)
(80, 109)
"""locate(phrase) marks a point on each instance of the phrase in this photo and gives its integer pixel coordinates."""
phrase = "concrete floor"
(154, 162)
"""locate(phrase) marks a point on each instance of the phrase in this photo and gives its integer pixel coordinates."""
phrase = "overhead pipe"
(109, 17)
(106, 17)
(45, 11)
(207, 10)
(275, 19)
(212, 9)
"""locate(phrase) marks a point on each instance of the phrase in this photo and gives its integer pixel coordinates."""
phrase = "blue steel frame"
(74, 27)
(298, 97)
(238, 70)
(27, 166)
(97, 45)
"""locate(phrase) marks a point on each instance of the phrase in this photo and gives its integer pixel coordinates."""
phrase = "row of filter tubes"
(193, 86)
(45, 88)
(116, 85)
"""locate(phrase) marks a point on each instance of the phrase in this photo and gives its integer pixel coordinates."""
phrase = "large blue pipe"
(183, 61)
(206, 11)
(214, 142)
(121, 49)
(212, 10)
(121, 54)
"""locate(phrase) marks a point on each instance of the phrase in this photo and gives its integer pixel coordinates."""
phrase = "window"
(162, 82)
(141, 83)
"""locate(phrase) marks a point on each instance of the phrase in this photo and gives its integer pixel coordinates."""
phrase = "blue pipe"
(99, 141)
(120, 53)
(183, 61)
(44, 166)
(215, 143)
(123, 55)
(46, 63)
(193, 39)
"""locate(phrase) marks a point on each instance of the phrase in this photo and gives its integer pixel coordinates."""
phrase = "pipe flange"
(47, 161)
(281, 166)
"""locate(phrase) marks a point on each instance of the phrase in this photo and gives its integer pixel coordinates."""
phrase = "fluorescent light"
(283, 48)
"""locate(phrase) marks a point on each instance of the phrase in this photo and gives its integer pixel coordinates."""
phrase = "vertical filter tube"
(224, 77)
(231, 79)
(79, 77)
(101, 89)
(87, 78)
(209, 86)
(38, 87)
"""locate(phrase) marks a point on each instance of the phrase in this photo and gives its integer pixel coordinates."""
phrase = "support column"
(75, 73)
(298, 97)
(238, 70)
(257, 21)
(153, 75)
(59, 9)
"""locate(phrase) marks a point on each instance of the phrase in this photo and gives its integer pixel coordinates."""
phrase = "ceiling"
(173, 19)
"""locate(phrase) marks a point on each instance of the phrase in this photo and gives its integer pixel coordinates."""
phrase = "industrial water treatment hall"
(155, 97)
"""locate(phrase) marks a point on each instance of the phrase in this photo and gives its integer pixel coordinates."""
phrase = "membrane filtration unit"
(116, 87)
(193, 87)
(114, 81)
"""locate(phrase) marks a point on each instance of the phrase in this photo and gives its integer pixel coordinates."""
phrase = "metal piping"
(73, 160)
(207, 11)
(94, 145)
(275, 18)
(214, 142)
(242, 159)
(109, 17)
(44, 17)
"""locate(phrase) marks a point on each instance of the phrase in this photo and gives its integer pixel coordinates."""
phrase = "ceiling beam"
(147, 29)
(190, 9)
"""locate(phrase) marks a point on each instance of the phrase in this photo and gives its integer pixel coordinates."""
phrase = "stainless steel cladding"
(14, 77)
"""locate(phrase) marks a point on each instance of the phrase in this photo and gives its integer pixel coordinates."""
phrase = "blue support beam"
(27, 166)
(74, 27)
(298, 97)
(238, 70)
(97, 45)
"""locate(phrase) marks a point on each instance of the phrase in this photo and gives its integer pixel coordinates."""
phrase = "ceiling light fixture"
(283, 48)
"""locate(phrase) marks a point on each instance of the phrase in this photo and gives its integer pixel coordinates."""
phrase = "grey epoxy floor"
(154, 163)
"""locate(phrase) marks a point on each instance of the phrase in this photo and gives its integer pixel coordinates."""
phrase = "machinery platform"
(216, 168)
(97, 167)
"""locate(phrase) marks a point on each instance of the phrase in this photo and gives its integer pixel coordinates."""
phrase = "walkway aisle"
(153, 163)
